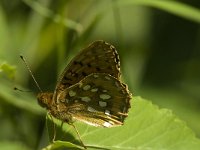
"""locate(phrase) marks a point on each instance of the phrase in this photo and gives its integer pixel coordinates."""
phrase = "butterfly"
(90, 90)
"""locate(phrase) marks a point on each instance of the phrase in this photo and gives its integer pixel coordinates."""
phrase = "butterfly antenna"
(78, 135)
(25, 62)
(17, 89)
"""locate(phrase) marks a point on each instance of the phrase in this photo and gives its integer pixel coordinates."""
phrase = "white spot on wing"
(91, 109)
(72, 93)
(107, 112)
(61, 100)
(118, 85)
(66, 100)
(102, 104)
(80, 84)
(85, 99)
(94, 90)
(106, 77)
(107, 124)
(86, 87)
(95, 75)
(104, 96)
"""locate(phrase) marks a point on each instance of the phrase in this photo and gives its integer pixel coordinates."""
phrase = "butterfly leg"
(61, 125)
(78, 135)
(54, 128)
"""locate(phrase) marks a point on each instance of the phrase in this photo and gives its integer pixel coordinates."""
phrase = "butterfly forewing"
(99, 100)
(98, 57)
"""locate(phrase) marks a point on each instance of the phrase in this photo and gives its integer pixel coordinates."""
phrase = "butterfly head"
(45, 99)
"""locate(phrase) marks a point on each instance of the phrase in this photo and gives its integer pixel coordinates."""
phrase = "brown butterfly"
(90, 90)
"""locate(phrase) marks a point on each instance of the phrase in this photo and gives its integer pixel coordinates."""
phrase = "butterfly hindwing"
(99, 99)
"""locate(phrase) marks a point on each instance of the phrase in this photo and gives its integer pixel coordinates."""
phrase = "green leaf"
(13, 146)
(57, 145)
(147, 127)
(174, 7)
(8, 70)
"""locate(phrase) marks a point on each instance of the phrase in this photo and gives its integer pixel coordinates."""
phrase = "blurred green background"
(158, 43)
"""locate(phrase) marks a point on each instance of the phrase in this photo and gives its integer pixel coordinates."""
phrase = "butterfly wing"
(98, 57)
(99, 100)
